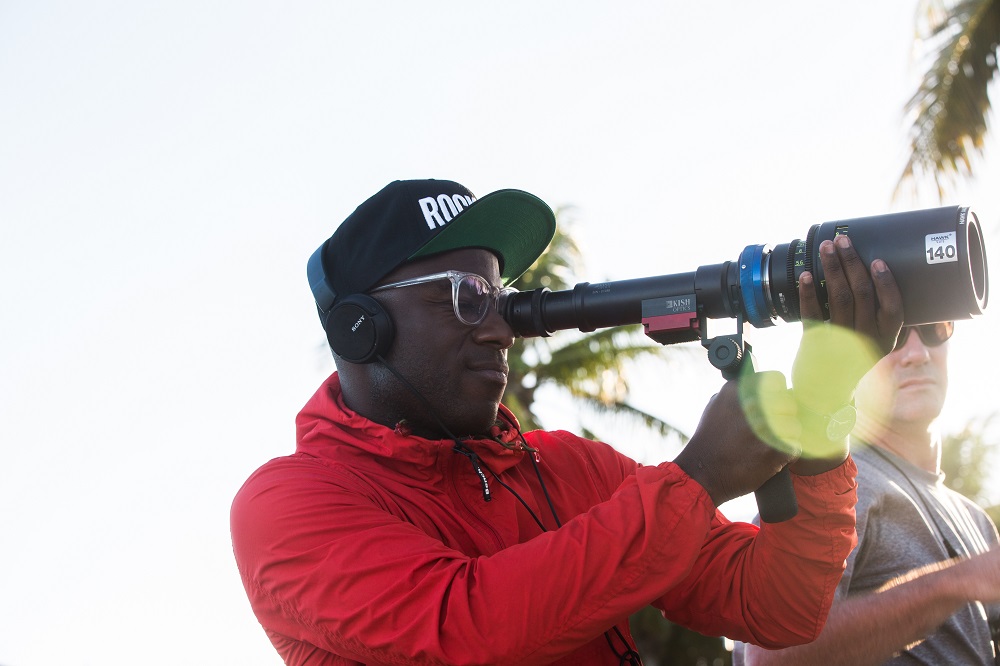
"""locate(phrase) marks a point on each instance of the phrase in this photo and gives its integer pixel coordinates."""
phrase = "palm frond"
(633, 413)
(603, 349)
(562, 259)
(525, 417)
(601, 357)
(950, 109)
(967, 458)
(589, 366)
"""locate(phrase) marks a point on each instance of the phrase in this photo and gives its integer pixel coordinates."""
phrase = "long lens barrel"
(938, 257)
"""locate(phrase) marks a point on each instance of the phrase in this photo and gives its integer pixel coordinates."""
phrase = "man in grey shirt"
(923, 584)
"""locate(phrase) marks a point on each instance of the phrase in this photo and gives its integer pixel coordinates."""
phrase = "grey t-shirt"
(908, 518)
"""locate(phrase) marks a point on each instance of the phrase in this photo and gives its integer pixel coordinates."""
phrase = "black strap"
(950, 550)
(628, 656)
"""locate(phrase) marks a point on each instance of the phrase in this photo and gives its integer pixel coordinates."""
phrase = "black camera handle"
(732, 355)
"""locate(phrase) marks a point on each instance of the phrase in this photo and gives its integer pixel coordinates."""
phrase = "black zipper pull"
(471, 455)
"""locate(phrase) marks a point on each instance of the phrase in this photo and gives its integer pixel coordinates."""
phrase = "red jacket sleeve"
(326, 564)
(773, 587)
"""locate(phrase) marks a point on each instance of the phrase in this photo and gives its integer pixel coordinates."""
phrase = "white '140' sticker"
(941, 248)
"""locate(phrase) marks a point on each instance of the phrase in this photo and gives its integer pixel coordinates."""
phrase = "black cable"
(950, 550)
(517, 496)
(629, 657)
(545, 491)
(538, 473)
(459, 446)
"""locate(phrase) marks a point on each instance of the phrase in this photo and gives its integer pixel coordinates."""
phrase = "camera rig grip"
(732, 355)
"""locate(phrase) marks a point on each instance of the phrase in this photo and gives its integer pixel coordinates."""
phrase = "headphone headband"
(324, 295)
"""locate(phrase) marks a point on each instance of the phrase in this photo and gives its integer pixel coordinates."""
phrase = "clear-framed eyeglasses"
(471, 295)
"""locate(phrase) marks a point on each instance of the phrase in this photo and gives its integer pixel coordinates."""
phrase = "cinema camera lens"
(938, 257)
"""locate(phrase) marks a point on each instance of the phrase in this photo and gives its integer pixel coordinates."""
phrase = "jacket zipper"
(454, 473)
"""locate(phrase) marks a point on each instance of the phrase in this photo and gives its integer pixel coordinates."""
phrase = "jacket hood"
(327, 421)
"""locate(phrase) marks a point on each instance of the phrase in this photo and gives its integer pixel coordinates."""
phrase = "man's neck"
(918, 443)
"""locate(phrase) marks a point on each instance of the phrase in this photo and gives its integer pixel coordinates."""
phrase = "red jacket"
(370, 545)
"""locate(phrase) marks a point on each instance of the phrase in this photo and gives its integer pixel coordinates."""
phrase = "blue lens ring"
(753, 287)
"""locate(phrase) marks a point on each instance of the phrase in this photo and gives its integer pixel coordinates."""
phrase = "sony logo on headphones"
(357, 323)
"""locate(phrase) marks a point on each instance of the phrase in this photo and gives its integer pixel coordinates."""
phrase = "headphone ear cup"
(359, 329)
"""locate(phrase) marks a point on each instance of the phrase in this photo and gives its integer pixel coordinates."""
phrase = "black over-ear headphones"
(358, 328)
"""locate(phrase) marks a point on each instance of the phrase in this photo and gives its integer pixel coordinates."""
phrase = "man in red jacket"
(416, 524)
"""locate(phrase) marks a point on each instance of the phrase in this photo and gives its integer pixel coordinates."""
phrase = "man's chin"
(480, 425)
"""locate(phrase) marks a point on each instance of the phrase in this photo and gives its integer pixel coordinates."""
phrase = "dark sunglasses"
(932, 335)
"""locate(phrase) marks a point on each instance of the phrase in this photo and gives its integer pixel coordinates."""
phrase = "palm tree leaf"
(525, 417)
(589, 366)
(599, 352)
(951, 106)
(560, 261)
(967, 459)
(633, 413)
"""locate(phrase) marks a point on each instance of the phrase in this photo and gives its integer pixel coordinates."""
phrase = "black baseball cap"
(412, 219)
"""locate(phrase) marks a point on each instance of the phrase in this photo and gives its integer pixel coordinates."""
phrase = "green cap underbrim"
(516, 225)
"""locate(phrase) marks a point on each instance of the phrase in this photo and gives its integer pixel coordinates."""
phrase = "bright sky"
(166, 168)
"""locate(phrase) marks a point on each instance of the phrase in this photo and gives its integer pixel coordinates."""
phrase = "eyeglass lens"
(932, 335)
(472, 299)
